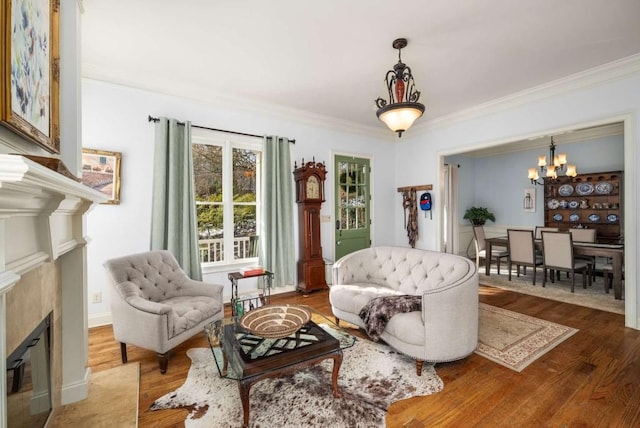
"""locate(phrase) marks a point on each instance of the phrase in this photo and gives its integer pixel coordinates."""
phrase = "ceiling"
(328, 58)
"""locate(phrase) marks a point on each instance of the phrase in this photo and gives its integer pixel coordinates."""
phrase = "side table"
(239, 304)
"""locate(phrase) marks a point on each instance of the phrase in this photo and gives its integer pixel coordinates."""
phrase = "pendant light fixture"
(403, 107)
(550, 170)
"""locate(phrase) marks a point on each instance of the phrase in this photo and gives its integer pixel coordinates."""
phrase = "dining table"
(613, 251)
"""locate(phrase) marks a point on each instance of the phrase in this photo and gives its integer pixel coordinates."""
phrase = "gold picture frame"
(30, 70)
(101, 171)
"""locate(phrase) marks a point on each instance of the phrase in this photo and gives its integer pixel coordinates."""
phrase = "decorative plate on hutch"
(612, 218)
(553, 204)
(574, 204)
(557, 217)
(574, 217)
(604, 187)
(584, 189)
(594, 218)
(565, 190)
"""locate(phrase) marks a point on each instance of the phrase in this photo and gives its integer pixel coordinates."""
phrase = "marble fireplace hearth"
(43, 270)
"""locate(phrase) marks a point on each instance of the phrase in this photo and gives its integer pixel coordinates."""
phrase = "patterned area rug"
(515, 340)
(372, 377)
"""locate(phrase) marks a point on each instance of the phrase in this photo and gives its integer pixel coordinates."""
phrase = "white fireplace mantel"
(41, 221)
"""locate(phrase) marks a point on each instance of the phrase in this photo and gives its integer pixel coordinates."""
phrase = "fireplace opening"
(29, 379)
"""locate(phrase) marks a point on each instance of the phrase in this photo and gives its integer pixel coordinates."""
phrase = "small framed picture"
(101, 171)
(529, 200)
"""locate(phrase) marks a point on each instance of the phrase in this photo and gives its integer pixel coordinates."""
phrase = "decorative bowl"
(275, 321)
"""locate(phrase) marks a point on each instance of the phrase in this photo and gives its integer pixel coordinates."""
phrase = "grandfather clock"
(309, 178)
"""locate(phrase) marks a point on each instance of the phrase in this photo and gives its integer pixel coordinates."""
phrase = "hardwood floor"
(590, 380)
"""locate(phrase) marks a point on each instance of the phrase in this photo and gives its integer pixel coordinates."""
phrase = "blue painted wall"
(498, 182)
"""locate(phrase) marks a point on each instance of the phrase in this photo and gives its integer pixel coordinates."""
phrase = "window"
(227, 186)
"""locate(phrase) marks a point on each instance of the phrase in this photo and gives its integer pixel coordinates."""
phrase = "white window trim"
(228, 143)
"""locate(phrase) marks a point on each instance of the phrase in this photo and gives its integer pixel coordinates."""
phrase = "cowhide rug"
(372, 376)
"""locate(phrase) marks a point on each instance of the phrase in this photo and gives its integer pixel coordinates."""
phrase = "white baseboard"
(96, 320)
(76, 391)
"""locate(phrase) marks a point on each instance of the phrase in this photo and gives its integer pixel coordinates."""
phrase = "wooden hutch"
(593, 201)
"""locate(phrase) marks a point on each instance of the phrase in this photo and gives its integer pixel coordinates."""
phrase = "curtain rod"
(155, 119)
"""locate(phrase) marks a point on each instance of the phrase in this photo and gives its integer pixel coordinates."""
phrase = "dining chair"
(586, 235)
(557, 249)
(521, 249)
(481, 252)
(540, 229)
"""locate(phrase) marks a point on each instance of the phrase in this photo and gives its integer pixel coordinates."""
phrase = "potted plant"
(478, 215)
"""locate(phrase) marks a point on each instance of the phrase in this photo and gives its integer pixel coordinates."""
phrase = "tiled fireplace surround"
(43, 269)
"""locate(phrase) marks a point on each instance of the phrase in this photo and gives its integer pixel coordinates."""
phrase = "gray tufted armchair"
(156, 306)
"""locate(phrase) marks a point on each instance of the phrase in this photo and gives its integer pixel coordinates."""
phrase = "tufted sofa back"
(408, 270)
(154, 275)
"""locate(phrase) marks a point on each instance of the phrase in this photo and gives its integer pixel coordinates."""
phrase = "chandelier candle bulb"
(557, 164)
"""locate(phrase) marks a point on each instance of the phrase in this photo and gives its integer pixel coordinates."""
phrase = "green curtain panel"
(276, 249)
(173, 214)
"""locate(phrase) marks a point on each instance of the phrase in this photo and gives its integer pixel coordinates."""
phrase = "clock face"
(313, 187)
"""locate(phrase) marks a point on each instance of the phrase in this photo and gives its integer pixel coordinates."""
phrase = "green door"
(353, 224)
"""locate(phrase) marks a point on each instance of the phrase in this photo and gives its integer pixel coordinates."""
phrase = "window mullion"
(227, 200)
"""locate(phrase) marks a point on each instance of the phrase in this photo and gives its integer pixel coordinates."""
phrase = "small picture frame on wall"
(101, 171)
(30, 70)
(529, 200)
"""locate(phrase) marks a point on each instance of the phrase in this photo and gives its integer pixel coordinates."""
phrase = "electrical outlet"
(96, 297)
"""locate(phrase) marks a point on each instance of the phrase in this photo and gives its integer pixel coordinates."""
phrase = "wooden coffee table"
(247, 358)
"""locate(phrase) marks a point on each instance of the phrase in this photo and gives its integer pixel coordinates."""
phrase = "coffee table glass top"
(240, 354)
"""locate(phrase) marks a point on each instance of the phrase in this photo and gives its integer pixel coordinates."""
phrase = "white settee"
(446, 328)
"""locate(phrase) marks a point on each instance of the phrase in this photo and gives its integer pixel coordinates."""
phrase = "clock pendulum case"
(309, 178)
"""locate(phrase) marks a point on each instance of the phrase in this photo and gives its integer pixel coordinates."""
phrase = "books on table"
(252, 270)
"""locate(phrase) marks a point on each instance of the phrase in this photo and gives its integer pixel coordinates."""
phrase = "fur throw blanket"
(379, 310)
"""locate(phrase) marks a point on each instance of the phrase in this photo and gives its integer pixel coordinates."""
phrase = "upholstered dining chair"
(585, 235)
(557, 248)
(540, 229)
(481, 253)
(522, 252)
(156, 306)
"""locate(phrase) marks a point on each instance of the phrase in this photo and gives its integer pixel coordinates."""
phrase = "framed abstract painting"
(29, 86)
(101, 171)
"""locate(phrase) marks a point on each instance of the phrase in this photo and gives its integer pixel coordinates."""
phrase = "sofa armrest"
(451, 317)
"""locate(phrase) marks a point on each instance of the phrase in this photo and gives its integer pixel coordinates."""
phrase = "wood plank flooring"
(590, 380)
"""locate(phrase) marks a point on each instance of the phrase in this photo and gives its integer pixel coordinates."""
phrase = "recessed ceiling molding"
(611, 71)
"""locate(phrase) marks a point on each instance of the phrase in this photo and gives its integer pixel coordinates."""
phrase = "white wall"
(574, 103)
(115, 119)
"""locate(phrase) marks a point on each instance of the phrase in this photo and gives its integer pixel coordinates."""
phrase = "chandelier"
(403, 107)
(557, 164)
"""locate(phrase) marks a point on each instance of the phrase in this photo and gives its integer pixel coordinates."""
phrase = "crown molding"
(191, 91)
(611, 71)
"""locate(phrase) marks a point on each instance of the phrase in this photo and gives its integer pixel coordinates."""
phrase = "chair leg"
(509, 269)
(534, 274)
(163, 360)
(419, 364)
(123, 352)
(337, 320)
(573, 281)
